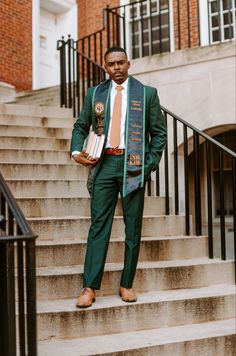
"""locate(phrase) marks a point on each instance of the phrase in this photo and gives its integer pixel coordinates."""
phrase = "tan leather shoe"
(128, 295)
(86, 298)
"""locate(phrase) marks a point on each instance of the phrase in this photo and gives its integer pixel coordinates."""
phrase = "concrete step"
(35, 111)
(155, 309)
(42, 143)
(33, 131)
(47, 188)
(43, 171)
(64, 253)
(42, 100)
(74, 227)
(70, 204)
(216, 338)
(44, 121)
(34, 156)
(46, 96)
(66, 282)
(54, 253)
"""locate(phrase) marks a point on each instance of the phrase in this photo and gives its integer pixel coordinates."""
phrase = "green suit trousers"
(107, 186)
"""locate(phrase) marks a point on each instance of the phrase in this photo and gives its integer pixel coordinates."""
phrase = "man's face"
(117, 66)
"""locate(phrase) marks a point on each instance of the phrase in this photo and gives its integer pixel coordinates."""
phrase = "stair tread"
(44, 180)
(33, 150)
(35, 110)
(68, 305)
(78, 241)
(42, 164)
(73, 217)
(119, 342)
(75, 269)
(41, 138)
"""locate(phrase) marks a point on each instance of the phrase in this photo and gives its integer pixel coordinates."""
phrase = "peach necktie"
(116, 118)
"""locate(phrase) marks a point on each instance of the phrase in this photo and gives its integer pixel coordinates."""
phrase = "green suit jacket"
(155, 130)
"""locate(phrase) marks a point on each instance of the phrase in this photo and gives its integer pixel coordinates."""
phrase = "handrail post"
(222, 205)
(197, 185)
(166, 160)
(209, 199)
(108, 26)
(186, 180)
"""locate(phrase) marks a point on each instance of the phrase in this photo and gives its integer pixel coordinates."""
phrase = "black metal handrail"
(18, 332)
(191, 150)
(77, 73)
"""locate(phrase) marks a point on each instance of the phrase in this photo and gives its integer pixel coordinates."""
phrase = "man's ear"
(128, 64)
(105, 67)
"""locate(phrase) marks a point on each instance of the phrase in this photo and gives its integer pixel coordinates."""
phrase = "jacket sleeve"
(157, 131)
(82, 124)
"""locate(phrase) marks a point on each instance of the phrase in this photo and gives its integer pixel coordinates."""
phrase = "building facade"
(186, 49)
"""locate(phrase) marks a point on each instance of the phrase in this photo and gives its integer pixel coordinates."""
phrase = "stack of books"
(94, 145)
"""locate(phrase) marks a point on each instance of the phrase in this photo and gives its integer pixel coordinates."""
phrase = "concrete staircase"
(185, 301)
(42, 97)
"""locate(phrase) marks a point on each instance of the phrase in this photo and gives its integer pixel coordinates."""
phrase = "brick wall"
(186, 26)
(91, 15)
(91, 19)
(16, 43)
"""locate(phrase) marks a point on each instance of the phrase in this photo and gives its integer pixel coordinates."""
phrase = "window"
(222, 24)
(149, 26)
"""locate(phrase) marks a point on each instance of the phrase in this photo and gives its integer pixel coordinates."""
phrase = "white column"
(172, 32)
(204, 22)
(35, 42)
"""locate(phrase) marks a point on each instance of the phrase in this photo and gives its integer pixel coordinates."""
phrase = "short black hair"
(115, 49)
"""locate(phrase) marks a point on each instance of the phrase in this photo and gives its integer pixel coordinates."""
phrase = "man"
(129, 115)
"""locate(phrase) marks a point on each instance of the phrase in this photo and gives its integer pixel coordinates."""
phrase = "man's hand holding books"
(92, 150)
(84, 159)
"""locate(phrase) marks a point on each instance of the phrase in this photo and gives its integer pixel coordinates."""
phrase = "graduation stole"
(134, 129)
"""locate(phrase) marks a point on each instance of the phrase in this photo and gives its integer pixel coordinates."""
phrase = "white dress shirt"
(123, 114)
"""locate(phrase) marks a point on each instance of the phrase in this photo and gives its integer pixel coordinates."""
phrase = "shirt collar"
(124, 84)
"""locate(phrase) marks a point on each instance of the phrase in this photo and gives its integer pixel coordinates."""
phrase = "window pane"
(136, 53)
(154, 6)
(144, 9)
(135, 39)
(145, 24)
(135, 26)
(165, 32)
(226, 4)
(164, 19)
(215, 21)
(155, 35)
(146, 51)
(227, 18)
(163, 4)
(215, 36)
(165, 46)
(156, 48)
(214, 7)
(133, 11)
(155, 21)
(226, 33)
(146, 37)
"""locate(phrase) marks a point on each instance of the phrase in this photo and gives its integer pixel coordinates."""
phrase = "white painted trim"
(35, 42)
(203, 22)
(172, 31)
